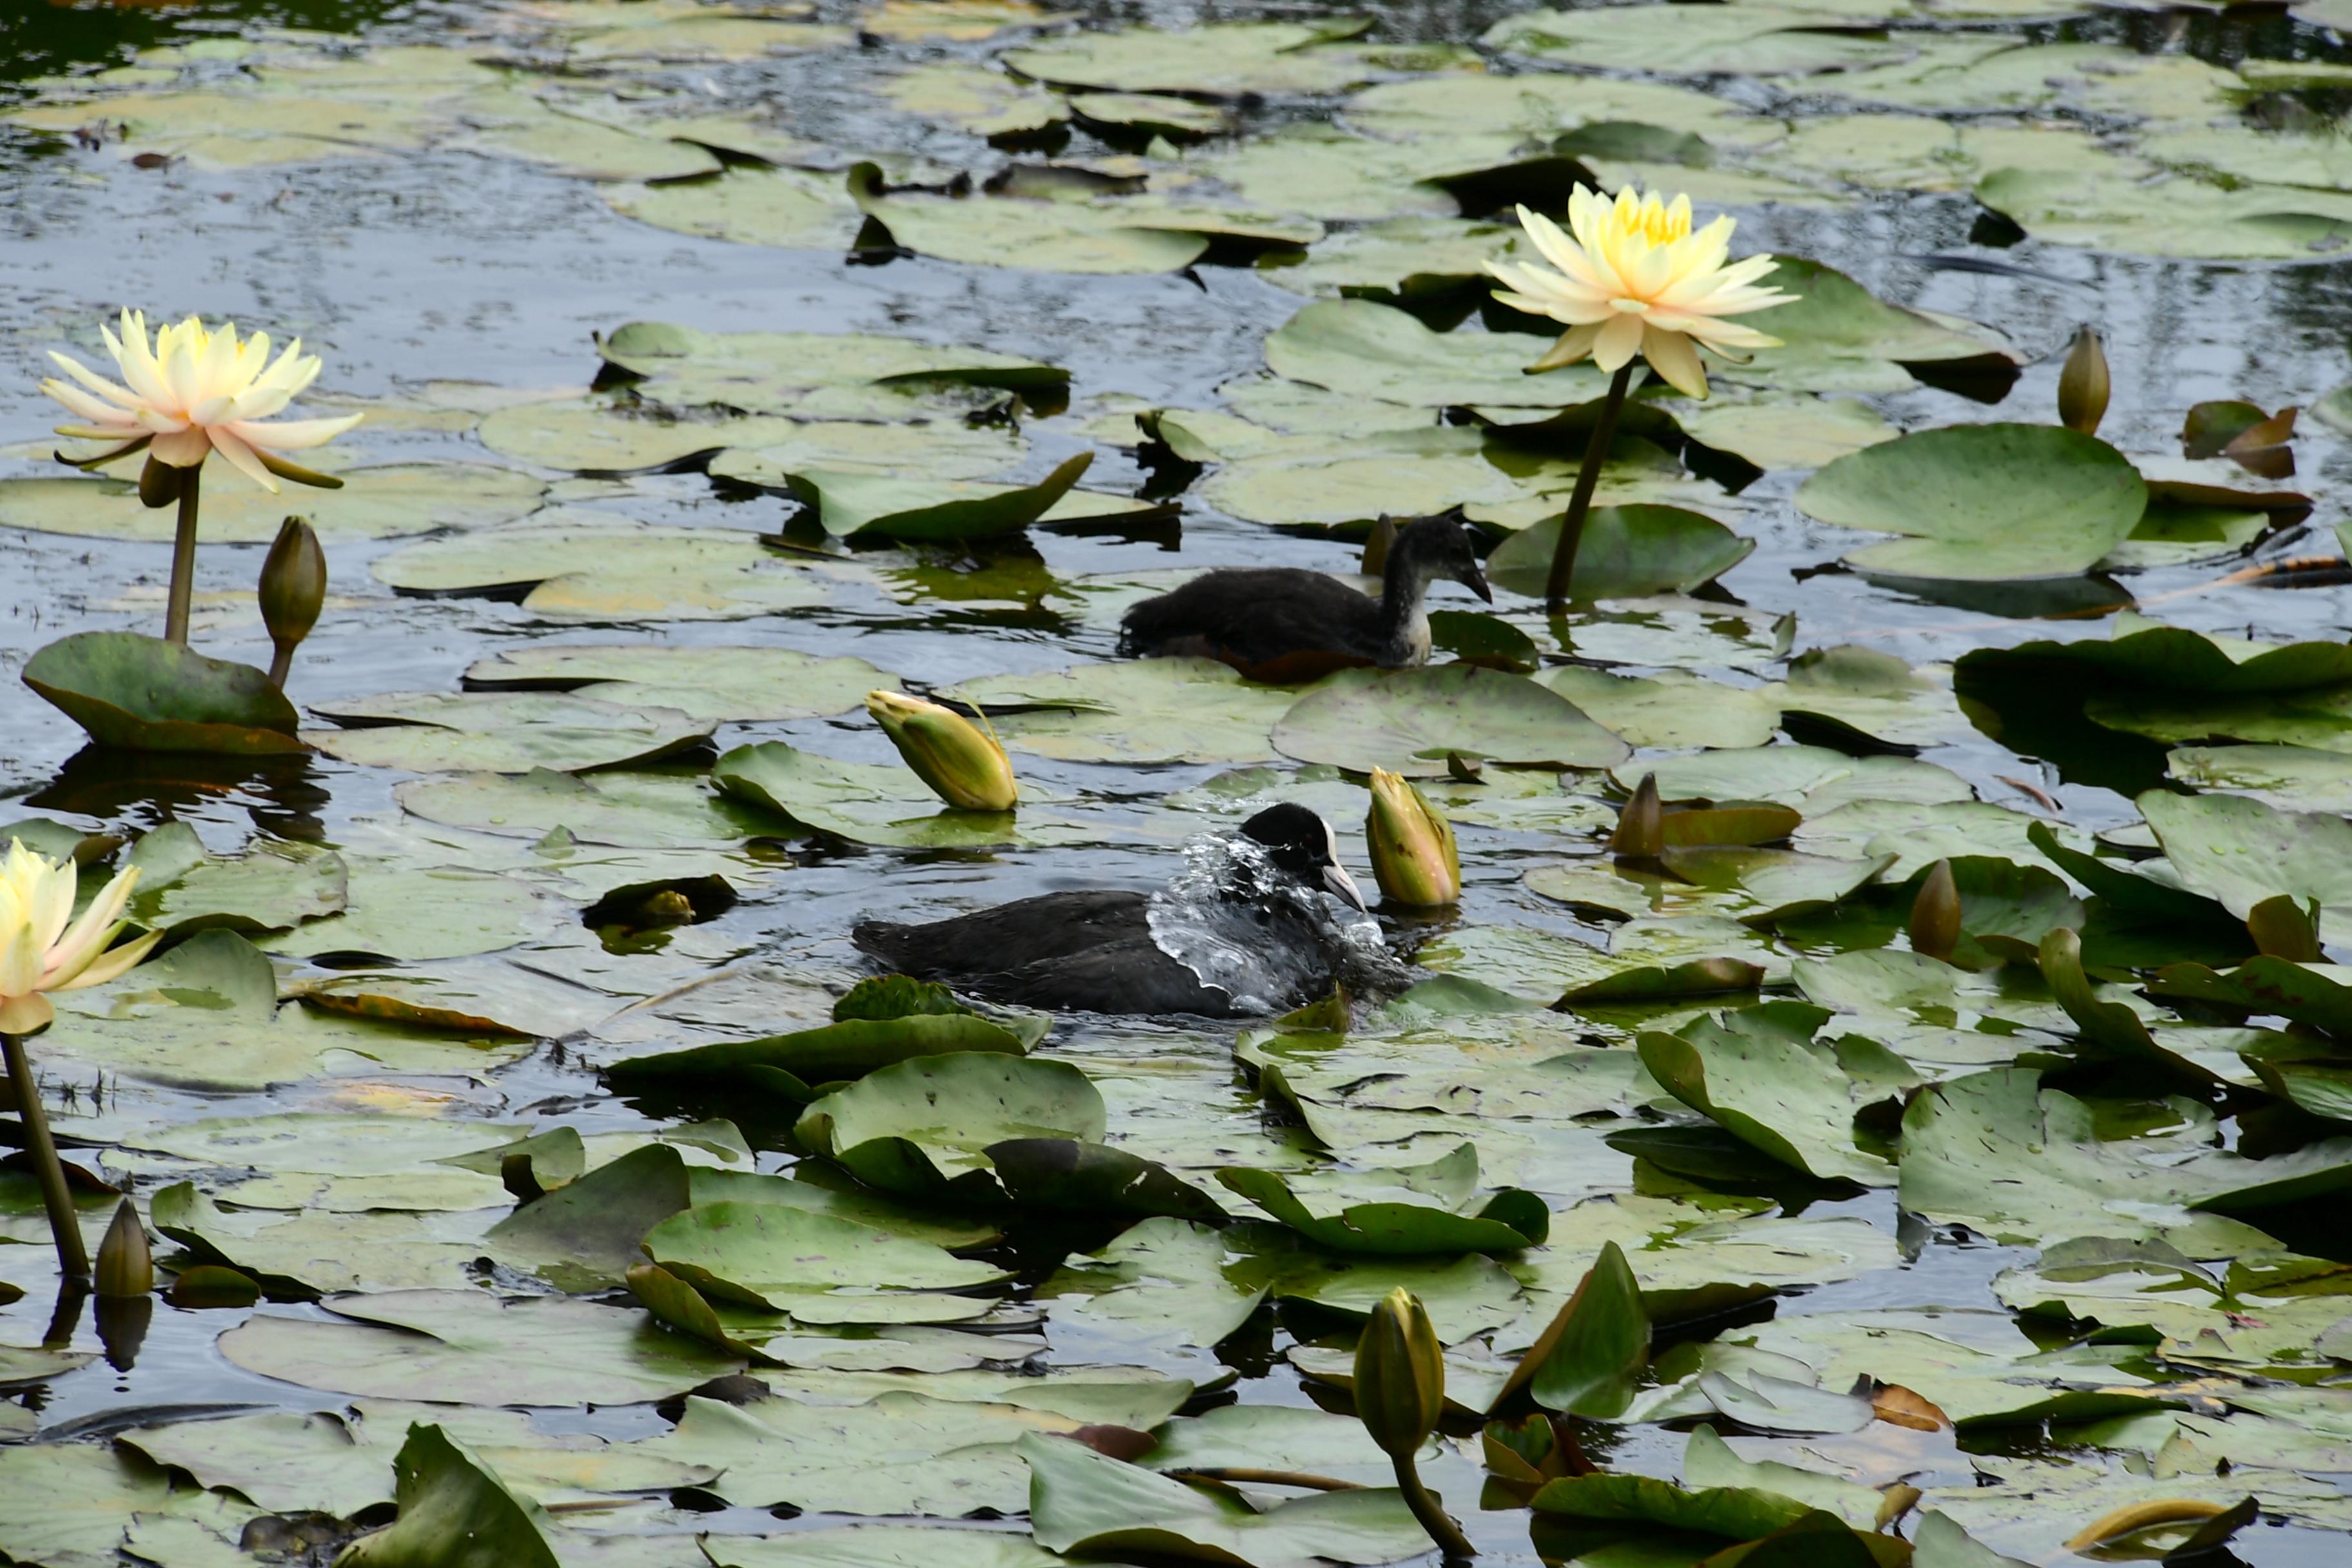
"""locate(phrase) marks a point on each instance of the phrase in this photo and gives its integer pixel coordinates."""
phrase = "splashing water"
(1243, 925)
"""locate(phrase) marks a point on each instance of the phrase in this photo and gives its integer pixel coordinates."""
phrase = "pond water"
(454, 254)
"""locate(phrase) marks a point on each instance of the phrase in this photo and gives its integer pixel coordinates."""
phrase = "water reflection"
(284, 795)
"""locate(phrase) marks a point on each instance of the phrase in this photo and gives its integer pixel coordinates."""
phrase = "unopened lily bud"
(293, 589)
(1641, 827)
(961, 762)
(1935, 914)
(1413, 856)
(1376, 546)
(125, 1266)
(1400, 1374)
(159, 483)
(2082, 385)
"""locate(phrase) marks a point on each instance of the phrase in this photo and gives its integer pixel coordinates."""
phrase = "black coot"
(1284, 623)
(1259, 937)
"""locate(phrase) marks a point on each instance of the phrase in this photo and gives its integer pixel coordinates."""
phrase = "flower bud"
(159, 483)
(1376, 546)
(964, 766)
(2082, 385)
(293, 584)
(1936, 912)
(1400, 1374)
(125, 1267)
(1413, 856)
(1641, 827)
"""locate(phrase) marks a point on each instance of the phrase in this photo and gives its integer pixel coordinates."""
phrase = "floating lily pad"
(784, 1259)
(848, 1048)
(142, 693)
(851, 503)
(1982, 502)
(1626, 552)
(735, 685)
(436, 732)
(1080, 1501)
(374, 503)
(1431, 1208)
(1220, 60)
(865, 802)
(1373, 351)
(773, 372)
(922, 1127)
(598, 569)
(1758, 1074)
(1411, 721)
(467, 1347)
(1146, 710)
(790, 208)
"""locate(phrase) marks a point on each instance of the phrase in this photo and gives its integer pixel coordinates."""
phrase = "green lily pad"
(733, 685)
(852, 503)
(1410, 721)
(922, 1127)
(1982, 502)
(1017, 231)
(434, 731)
(865, 802)
(1747, 38)
(782, 1258)
(1142, 711)
(1219, 60)
(71, 1503)
(881, 1546)
(374, 503)
(274, 885)
(1671, 709)
(318, 1249)
(1626, 552)
(142, 693)
(847, 1049)
(978, 99)
(1080, 1501)
(651, 811)
(790, 208)
(1431, 1208)
(467, 1347)
(2240, 852)
(1374, 352)
(2100, 207)
(1070, 1176)
(776, 372)
(600, 436)
(1758, 1074)
(600, 569)
(1162, 1282)
(1738, 1513)
(454, 1511)
(1837, 336)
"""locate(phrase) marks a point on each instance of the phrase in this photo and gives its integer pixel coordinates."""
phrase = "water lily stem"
(73, 1258)
(184, 559)
(281, 665)
(1433, 1517)
(1580, 500)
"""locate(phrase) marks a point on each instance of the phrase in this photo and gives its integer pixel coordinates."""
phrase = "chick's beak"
(1472, 578)
(1337, 882)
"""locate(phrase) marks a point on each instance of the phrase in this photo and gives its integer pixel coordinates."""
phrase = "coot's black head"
(1301, 843)
(1440, 546)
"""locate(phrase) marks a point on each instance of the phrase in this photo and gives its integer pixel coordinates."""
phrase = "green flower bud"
(1641, 827)
(961, 762)
(1935, 914)
(125, 1267)
(1413, 856)
(2082, 385)
(1400, 1374)
(293, 584)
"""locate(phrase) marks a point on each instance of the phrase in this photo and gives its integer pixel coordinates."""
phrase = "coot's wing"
(1027, 930)
(1254, 618)
(1129, 975)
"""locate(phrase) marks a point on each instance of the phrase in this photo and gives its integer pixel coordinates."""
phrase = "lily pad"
(1144, 710)
(1080, 1501)
(922, 1127)
(433, 732)
(863, 803)
(142, 693)
(851, 503)
(603, 569)
(1982, 502)
(1411, 721)
(1758, 1074)
(464, 1346)
(776, 372)
(1431, 1209)
(374, 503)
(1375, 352)
(1219, 60)
(784, 1259)
(1626, 552)
(732, 685)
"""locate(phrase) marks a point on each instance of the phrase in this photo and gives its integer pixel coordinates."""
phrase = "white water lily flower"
(43, 948)
(1635, 280)
(198, 390)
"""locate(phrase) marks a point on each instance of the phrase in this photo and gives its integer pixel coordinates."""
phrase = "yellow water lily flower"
(42, 946)
(197, 390)
(1634, 279)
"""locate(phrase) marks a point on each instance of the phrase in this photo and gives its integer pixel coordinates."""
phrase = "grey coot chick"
(1284, 623)
(1252, 934)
